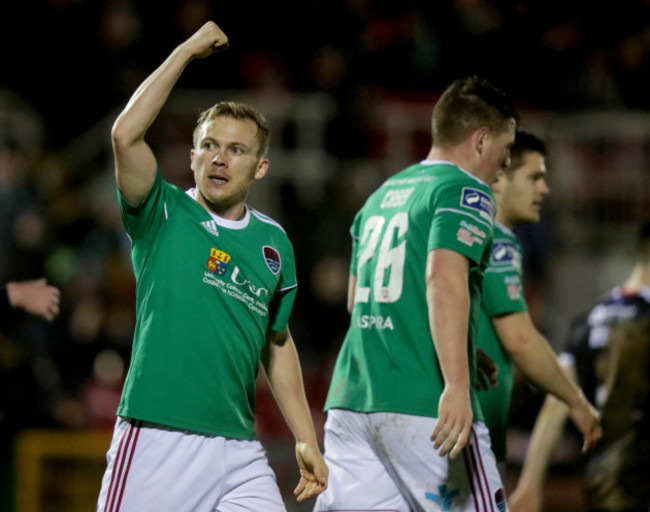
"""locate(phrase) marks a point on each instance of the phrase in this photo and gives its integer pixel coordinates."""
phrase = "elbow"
(121, 135)
(518, 346)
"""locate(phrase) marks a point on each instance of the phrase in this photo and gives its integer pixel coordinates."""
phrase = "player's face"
(496, 151)
(225, 162)
(523, 192)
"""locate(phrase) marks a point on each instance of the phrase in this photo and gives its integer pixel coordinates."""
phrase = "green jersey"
(388, 362)
(502, 295)
(207, 290)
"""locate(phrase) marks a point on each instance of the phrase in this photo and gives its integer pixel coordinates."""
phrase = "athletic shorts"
(386, 462)
(158, 469)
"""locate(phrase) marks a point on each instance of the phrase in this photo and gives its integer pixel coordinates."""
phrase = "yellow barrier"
(60, 471)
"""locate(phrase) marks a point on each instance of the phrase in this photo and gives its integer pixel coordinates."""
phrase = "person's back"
(389, 328)
(618, 389)
(616, 475)
(404, 376)
(611, 353)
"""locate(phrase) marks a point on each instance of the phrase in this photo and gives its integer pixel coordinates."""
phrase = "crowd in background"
(67, 63)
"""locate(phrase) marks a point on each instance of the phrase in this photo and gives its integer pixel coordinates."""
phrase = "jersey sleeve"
(463, 221)
(147, 216)
(502, 291)
(285, 293)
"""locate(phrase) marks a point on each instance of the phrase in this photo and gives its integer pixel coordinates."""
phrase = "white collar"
(226, 223)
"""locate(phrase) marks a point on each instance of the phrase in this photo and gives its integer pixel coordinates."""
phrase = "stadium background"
(348, 86)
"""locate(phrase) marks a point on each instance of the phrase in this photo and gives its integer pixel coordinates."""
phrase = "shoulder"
(266, 221)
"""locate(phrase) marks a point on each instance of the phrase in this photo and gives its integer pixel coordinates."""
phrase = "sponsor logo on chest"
(237, 285)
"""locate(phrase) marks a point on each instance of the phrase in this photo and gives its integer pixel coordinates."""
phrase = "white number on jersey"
(386, 284)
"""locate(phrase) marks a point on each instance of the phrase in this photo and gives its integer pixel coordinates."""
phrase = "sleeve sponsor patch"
(469, 234)
(514, 287)
(505, 253)
(479, 201)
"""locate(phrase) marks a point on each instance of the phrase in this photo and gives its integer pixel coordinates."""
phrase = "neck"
(503, 219)
(231, 211)
(639, 277)
(462, 157)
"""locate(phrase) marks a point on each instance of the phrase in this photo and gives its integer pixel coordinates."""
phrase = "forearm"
(544, 439)
(449, 313)
(282, 369)
(539, 364)
(147, 101)
(534, 357)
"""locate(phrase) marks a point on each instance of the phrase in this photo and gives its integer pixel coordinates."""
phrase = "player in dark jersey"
(601, 343)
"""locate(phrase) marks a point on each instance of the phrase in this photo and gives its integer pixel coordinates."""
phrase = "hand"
(521, 500)
(454, 425)
(587, 419)
(207, 40)
(313, 471)
(486, 371)
(35, 297)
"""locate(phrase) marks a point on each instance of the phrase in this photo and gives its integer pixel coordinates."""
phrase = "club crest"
(272, 258)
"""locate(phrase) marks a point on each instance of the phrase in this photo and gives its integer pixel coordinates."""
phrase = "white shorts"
(386, 461)
(157, 469)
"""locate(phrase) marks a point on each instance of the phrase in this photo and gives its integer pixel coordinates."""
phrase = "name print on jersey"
(396, 198)
(238, 287)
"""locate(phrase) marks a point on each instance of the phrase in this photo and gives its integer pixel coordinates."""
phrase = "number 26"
(389, 263)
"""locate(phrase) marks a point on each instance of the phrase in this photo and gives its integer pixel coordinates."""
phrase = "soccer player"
(35, 297)
(215, 283)
(616, 476)
(402, 407)
(506, 332)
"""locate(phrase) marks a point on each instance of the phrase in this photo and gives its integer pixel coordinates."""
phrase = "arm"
(528, 495)
(448, 302)
(352, 285)
(135, 164)
(35, 297)
(282, 370)
(538, 362)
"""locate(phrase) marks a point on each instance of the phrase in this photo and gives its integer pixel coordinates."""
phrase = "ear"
(262, 168)
(192, 159)
(480, 138)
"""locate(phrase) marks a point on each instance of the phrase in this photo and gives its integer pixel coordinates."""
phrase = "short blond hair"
(241, 112)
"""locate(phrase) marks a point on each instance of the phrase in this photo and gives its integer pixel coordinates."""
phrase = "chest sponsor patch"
(272, 259)
(218, 262)
(479, 201)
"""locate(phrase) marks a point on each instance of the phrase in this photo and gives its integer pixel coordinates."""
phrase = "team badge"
(272, 258)
(218, 262)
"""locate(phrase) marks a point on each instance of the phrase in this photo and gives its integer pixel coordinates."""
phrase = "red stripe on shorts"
(468, 469)
(476, 473)
(481, 467)
(121, 467)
